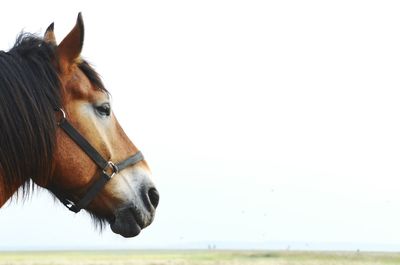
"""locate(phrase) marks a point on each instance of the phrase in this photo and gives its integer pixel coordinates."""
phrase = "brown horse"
(57, 129)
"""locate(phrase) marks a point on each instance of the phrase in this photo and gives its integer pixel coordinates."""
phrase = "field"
(197, 257)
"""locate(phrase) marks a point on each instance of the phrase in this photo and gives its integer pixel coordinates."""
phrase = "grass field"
(197, 257)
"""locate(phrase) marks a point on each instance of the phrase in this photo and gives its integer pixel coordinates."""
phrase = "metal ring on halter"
(64, 116)
(113, 167)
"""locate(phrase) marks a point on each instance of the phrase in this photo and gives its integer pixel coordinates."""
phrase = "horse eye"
(104, 110)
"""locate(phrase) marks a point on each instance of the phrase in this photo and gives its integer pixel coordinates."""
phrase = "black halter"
(108, 168)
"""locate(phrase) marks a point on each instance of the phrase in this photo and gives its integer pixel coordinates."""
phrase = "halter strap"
(108, 168)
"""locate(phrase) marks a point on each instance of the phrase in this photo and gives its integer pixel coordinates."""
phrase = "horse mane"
(29, 94)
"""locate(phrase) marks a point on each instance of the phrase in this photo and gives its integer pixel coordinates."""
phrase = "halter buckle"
(114, 170)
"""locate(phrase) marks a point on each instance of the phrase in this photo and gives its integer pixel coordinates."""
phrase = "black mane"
(29, 94)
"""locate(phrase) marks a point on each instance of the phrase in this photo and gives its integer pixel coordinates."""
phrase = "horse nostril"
(154, 197)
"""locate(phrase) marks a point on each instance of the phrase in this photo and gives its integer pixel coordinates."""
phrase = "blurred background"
(267, 124)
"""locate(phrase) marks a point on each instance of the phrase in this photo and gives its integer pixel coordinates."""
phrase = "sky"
(265, 123)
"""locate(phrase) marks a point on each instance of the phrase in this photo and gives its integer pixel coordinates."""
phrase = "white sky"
(262, 121)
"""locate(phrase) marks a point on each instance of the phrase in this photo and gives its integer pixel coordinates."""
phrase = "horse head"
(128, 200)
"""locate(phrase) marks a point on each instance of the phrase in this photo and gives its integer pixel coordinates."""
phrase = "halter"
(108, 168)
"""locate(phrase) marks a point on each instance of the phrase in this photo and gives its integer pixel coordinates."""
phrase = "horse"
(58, 131)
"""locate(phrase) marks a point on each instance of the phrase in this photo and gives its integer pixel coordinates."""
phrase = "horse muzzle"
(130, 219)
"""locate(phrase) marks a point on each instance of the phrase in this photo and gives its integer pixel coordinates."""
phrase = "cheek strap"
(108, 168)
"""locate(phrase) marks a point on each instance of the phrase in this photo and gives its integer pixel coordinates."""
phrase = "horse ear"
(70, 47)
(49, 36)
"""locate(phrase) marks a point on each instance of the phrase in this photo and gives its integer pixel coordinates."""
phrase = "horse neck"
(3, 197)
(7, 194)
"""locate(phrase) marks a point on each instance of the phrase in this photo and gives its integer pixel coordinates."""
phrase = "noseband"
(108, 168)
